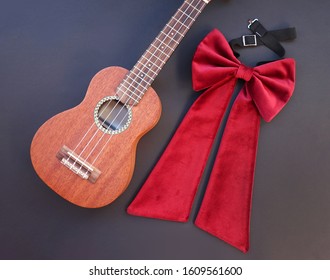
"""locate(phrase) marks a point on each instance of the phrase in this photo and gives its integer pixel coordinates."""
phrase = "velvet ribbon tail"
(169, 191)
(225, 209)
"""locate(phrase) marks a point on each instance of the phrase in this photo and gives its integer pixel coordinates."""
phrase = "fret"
(134, 81)
(136, 84)
(144, 77)
(141, 70)
(151, 65)
(170, 37)
(141, 76)
(126, 89)
(144, 87)
(188, 17)
(190, 13)
(182, 24)
(156, 58)
(168, 41)
(127, 93)
(173, 35)
(151, 58)
(148, 63)
(195, 8)
(160, 49)
(184, 13)
(147, 69)
(163, 43)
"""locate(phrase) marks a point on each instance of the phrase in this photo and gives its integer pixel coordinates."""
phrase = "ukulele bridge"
(77, 165)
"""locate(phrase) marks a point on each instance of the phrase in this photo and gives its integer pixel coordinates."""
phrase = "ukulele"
(87, 154)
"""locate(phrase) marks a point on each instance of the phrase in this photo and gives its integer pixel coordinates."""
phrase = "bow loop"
(272, 87)
(214, 62)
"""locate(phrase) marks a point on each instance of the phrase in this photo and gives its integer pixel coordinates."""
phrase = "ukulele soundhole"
(111, 116)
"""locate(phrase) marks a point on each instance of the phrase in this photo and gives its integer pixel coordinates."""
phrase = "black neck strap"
(261, 36)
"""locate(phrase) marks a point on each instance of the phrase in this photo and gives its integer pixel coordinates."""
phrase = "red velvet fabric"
(170, 189)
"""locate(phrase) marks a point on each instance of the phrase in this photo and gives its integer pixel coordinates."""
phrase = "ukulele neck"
(144, 72)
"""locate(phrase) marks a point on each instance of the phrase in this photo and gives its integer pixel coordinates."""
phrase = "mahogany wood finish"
(116, 162)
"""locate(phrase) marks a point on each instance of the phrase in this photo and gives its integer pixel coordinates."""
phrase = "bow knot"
(245, 73)
(270, 85)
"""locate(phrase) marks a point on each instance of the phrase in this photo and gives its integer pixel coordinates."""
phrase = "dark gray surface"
(50, 50)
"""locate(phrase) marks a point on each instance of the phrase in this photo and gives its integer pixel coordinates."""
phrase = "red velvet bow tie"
(170, 189)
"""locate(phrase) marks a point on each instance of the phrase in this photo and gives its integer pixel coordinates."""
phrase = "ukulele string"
(114, 119)
(156, 49)
(82, 139)
(118, 101)
(129, 98)
(122, 108)
(97, 130)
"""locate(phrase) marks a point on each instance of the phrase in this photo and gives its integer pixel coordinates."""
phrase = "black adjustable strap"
(262, 36)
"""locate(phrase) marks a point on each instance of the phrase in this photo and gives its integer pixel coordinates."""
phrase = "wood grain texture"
(117, 160)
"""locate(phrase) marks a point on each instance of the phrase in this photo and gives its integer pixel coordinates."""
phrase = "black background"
(50, 50)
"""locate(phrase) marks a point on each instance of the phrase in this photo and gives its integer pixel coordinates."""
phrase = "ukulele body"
(114, 153)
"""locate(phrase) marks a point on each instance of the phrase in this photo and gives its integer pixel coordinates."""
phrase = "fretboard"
(144, 72)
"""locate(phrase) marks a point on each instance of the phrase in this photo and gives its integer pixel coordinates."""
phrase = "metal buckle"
(251, 21)
(249, 44)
